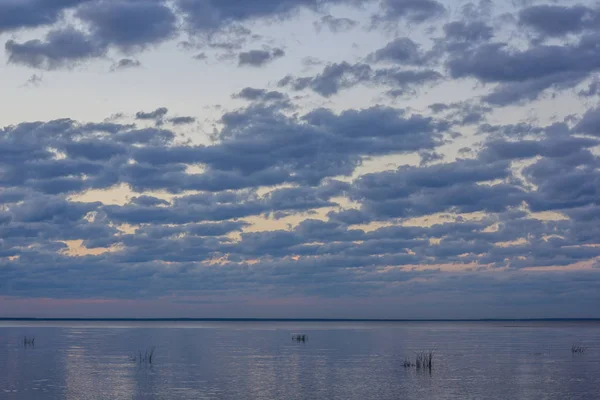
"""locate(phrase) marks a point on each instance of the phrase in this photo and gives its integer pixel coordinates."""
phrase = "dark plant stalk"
(146, 357)
(578, 348)
(28, 341)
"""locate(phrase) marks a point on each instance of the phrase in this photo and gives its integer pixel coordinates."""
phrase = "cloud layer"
(293, 191)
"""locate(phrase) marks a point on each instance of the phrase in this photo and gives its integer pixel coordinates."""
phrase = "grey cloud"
(481, 9)
(429, 157)
(521, 92)
(496, 63)
(336, 25)
(93, 154)
(56, 186)
(520, 130)
(462, 113)
(525, 74)
(45, 209)
(415, 11)
(350, 217)
(258, 58)
(262, 145)
(216, 207)
(32, 13)
(227, 37)
(255, 149)
(94, 150)
(201, 56)
(333, 78)
(336, 77)
(157, 114)
(450, 187)
(125, 63)
(35, 80)
(311, 61)
(400, 51)
(203, 16)
(566, 182)
(205, 229)
(467, 33)
(592, 90)
(182, 120)
(565, 169)
(9, 196)
(558, 20)
(146, 136)
(61, 48)
(254, 94)
(590, 123)
(403, 82)
(558, 147)
(148, 201)
(128, 24)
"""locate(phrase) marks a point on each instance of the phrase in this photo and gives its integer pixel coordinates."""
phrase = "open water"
(78, 360)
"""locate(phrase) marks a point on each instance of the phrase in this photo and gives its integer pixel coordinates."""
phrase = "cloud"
(557, 20)
(592, 90)
(258, 58)
(253, 94)
(65, 157)
(336, 25)
(415, 11)
(182, 120)
(449, 187)
(61, 48)
(463, 113)
(131, 26)
(590, 123)
(128, 24)
(35, 80)
(565, 182)
(557, 147)
(401, 51)
(209, 16)
(148, 201)
(333, 78)
(192, 230)
(466, 33)
(16, 15)
(270, 157)
(201, 56)
(157, 114)
(297, 190)
(94, 150)
(218, 207)
(523, 92)
(125, 63)
(268, 98)
(526, 74)
(402, 82)
(336, 77)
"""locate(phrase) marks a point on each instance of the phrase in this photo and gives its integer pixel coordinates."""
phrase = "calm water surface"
(259, 360)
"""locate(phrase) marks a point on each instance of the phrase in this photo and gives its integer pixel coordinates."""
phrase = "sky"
(300, 158)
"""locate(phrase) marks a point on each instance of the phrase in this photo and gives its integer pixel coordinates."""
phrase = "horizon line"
(109, 319)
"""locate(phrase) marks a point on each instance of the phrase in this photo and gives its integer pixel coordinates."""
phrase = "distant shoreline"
(294, 320)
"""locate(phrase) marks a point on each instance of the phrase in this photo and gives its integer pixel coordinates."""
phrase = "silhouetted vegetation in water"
(577, 348)
(145, 357)
(299, 338)
(29, 341)
(423, 360)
